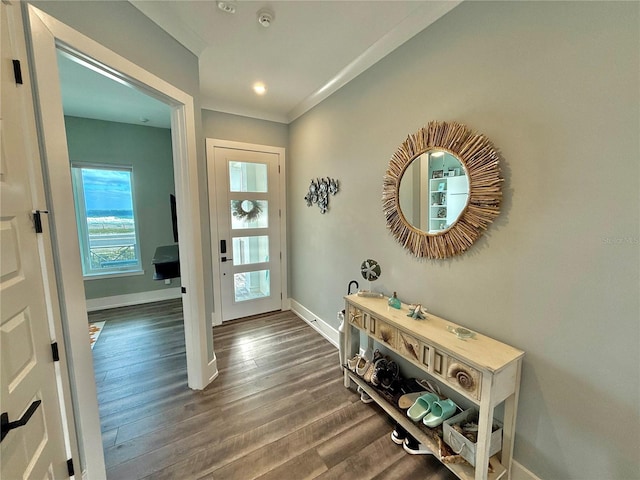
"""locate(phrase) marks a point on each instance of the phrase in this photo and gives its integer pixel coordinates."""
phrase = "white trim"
(212, 143)
(103, 303)
(319, 325)
(213, 367)
(102, 276)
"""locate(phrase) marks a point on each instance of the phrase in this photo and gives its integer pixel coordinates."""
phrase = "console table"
(492, 373)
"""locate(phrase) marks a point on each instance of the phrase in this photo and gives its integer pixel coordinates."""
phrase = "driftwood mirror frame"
(480, 160)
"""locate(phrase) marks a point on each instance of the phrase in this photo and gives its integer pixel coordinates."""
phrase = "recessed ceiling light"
(259, 88)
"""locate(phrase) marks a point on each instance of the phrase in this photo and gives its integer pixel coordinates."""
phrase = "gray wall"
(225, 126)
(555, 86)
(148, 150)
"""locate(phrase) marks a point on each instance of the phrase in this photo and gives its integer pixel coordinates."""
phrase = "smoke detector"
(227, 7)
(265, 18)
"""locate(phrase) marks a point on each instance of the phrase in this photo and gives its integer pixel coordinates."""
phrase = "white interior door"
(28, 378)
(248, 212)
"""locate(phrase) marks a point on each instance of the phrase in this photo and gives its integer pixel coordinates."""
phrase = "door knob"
(7, 426)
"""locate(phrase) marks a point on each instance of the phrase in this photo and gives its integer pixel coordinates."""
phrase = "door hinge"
(55, 352)
(279, 213)
(278, 168)
(17, 71)
(70, 467)
(183, 289)
(37, 220)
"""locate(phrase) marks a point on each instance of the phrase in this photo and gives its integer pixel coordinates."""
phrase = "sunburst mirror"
(442, 190)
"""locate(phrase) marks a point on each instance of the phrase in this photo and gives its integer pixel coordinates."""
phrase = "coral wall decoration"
(319, 192)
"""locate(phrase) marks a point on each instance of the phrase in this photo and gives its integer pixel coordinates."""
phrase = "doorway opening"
(247, 203)
(120, 153)
(46, 36)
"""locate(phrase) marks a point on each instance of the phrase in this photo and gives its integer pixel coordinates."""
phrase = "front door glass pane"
(247, 250)
(251, 285)
(247, 177)
(249, 214)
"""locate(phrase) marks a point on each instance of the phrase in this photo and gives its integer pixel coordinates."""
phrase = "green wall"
(148, 150)
(555, 85)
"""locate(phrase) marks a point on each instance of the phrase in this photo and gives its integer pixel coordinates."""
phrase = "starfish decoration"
(416, 312)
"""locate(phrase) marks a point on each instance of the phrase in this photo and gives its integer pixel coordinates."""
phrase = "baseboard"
(213, 369)
(319, 325)
(518, 472)
(128, 299)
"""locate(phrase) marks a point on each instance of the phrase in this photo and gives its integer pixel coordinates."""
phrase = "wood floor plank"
(308, 465)
(252, 442)
(340, 447)
(297, 443)
(178, 396)
(278, 409)
(425, 467)
(368, 461)
(221, 403)
(142, 386)
(252, 416)
(186, 456)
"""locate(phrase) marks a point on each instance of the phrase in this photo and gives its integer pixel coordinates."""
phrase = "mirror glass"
(434, 191)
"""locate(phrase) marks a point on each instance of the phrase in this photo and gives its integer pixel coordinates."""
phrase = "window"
(105, 215)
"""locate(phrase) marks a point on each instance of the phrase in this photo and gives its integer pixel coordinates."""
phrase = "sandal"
(422, 406)
(408, 399)
(440, 411)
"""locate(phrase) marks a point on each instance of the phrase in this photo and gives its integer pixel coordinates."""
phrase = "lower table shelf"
(462, 470)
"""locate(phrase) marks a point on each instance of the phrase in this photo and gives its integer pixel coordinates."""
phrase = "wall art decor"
(370, 270)
(319, 192)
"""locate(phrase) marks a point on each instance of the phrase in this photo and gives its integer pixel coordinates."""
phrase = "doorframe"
(46, 34)
(211, 144)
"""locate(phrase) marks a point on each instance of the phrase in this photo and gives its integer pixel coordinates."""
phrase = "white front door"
(28, 388)
(247, 185)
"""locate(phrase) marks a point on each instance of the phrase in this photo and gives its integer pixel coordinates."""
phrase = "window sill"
(102, 276)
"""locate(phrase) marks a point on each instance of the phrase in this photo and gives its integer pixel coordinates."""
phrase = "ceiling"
(310, 50)
(86, 93)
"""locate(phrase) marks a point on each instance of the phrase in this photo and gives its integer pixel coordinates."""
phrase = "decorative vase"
(394, 302)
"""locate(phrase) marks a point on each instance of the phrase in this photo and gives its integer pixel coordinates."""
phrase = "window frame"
(82, 227)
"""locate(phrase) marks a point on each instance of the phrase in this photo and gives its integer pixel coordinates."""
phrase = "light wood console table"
(492, 373)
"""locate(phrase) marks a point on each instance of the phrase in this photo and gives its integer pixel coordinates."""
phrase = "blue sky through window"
(107, 189)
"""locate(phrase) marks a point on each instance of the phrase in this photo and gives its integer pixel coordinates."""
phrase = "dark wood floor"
(278, 409)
